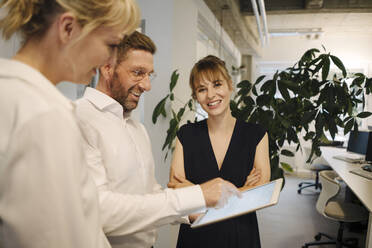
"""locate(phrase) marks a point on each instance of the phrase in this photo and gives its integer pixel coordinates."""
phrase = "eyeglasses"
(138, 75)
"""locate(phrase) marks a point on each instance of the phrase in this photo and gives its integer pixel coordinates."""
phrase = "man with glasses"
(120, 158)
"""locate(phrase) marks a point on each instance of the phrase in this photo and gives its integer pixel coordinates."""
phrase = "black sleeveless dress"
(201, 165)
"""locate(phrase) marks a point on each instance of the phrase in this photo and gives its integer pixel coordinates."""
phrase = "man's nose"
(145, 83)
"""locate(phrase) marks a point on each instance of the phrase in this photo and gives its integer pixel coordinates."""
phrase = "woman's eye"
(201, 90)
(217, 83)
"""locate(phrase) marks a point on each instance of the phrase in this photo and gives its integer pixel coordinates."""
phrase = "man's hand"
(217, 192)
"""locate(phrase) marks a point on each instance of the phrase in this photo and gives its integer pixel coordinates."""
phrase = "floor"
(294, 220)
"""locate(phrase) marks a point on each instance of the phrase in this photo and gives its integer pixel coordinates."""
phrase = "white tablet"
(262, 196)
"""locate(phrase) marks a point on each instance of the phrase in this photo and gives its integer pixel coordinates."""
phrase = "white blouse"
(120, 159)
(47, 198)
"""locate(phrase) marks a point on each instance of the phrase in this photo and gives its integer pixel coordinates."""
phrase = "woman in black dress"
(220, 146)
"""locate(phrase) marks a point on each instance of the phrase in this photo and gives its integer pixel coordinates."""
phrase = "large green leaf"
(315, 61)
(325, 68)
(308, 55)
(267, 85)
(159, 109)
(287, 153)
(358, 81)
(348, 126)
(364, 114)
(248, 101)
(174, 79)
(332, 128)
(245, 84)
(243, 92)
(308, 116)
(180, 113)
(283, 90)
(189, 104)
(286, 167)
(339, 64)
(289, 84)
(259, 79)
(254, 90)
(318, 66)
(263, 100)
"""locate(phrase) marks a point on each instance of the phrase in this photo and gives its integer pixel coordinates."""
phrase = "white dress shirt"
(47, 198)
(120, 159)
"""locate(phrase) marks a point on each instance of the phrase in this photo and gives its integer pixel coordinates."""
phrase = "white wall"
(10, 47)
(350, 49)
(172, 24)
(159, 18)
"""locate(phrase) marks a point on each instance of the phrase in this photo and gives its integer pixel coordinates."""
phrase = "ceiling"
(328, 16)
(331, 23)
(308, 6)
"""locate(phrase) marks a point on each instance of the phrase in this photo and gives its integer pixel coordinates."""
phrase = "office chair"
(335, 210)
(315, 168)
(318, 165)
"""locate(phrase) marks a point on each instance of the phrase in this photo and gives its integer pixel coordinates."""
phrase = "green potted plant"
(302, 100)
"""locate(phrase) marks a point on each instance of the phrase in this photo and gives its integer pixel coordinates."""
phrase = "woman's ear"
(68, 27)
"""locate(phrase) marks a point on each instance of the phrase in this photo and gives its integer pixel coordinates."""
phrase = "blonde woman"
(46, 196)
(220, 146)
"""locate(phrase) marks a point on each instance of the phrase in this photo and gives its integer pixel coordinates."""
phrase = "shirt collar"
(16, 69)
(104, 102)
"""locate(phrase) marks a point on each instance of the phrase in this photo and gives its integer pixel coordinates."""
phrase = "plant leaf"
(325, 68)
(287, 153)
(339, 64)
(180, 113)
(174, 79)
(254, 90)
(283, 90)
(286, 167)
(259, 79)
(364, 114)
(159, 109)
(348, 126)
(244, 84)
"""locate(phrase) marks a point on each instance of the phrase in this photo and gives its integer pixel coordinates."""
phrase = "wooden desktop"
(362, 187)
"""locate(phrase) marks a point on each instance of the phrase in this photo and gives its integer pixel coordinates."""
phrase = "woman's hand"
(252, 179)
(179, 182)
(193, 217)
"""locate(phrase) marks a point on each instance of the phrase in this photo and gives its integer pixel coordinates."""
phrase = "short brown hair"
(135, 41)
(211, 68)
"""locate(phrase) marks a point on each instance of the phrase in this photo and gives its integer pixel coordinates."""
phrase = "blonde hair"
(210, 68)
(33, 17)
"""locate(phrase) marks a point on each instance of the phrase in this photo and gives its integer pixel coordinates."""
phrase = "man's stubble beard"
(120, 95)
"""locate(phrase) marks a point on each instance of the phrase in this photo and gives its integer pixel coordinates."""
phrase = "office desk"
(362, 187)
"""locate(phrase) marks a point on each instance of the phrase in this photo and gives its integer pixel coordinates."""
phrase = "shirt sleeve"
(41, 201)
(124, 214)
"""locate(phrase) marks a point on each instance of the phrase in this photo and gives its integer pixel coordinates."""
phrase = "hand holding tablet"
(253, 199)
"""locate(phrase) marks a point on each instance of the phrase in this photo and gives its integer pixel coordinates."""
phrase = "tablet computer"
(259, 197)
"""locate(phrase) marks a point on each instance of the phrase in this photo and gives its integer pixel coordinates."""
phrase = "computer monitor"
(358, 142)
(369, 149)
